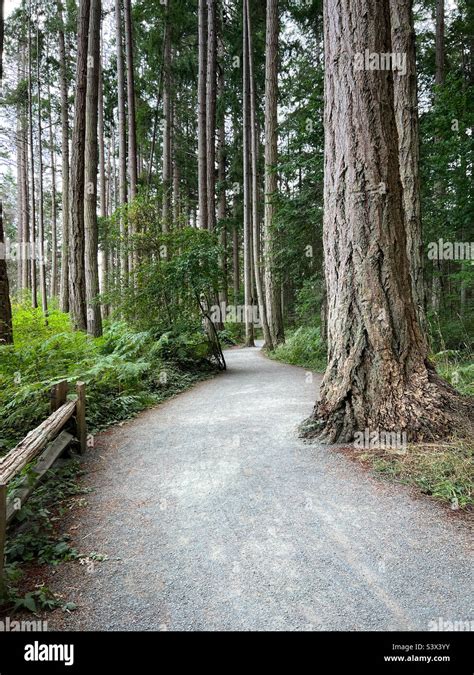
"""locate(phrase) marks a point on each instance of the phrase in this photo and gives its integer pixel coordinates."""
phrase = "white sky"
(10, 5)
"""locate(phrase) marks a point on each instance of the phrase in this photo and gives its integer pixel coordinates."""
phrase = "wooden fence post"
(58, 395)
(81, 428)
(3, 537)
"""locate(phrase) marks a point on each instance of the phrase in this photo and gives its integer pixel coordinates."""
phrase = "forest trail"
(215, 516)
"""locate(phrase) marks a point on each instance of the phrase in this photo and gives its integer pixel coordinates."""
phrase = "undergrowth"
(125, 371)
(34, 537)
(444, 471)
(303, 347)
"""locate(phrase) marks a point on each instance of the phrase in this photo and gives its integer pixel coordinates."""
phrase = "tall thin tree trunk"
(272, 289)
(77, 282)
(248, 282)
(54, 231)
(6, 330)
(378, 375)
(132, 130)
(176, 174)
(166, 160)
(103, 251)
(94, 319)
(25, 200)
(6, 326)
(65, 208)
(254, 147)
(235, 262)
(19, 191)
(33, 253)
(122, 138)
(221, 171)
(202, 139)
(211, 114)
(440, 54)
(41, 230)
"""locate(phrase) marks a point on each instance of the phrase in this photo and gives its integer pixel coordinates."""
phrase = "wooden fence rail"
(48, 441)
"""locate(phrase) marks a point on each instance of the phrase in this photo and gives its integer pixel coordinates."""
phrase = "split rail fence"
(43, 445)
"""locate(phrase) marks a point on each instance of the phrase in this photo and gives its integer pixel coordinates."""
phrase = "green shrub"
(457, 368)
(303, 347)
(125, 371)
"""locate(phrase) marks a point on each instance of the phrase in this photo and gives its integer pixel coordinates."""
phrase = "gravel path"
(215, 516)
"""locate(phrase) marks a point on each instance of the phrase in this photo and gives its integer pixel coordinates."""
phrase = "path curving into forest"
(215, 516)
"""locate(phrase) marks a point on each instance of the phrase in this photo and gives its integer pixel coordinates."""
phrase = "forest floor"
(214, 515)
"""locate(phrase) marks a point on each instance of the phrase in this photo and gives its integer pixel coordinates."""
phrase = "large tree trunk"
(94, 319)
(254, 147)
(122, 138)
(272, 290)
(246, 147)
(63, 82)
(406, 115)
(77, 282)
(378, 376)
(211, 113)
(202, 141)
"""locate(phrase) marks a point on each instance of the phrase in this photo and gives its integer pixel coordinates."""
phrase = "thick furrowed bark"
(378, 375)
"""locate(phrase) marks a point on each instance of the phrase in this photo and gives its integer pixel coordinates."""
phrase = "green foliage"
(308, 301)
(458, 369)
(303, 347)
(41, 599)
(33, 536)
(125, 370)
(233, 333)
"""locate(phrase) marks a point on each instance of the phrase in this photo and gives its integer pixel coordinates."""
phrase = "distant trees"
(189, 136)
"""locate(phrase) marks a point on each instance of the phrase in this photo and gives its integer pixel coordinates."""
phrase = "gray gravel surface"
(215, 516)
